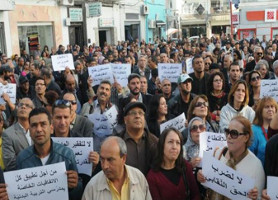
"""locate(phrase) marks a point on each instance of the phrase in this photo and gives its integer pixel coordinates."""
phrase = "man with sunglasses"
(17, 137)
(258, 55)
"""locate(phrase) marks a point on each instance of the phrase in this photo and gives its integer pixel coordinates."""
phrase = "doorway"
(102, 38)
(76, 35)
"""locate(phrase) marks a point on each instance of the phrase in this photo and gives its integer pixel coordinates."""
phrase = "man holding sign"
(45, 151)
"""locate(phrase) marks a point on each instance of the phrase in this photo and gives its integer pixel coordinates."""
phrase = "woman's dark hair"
(51, 96)
(210, 81)
(154, 105)
(238, 54)
(250, 76)
(179, 163)
(192, 106)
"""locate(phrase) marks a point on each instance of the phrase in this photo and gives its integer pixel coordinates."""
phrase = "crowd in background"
(222, 94)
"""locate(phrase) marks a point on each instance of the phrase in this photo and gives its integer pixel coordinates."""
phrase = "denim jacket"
(28, 158)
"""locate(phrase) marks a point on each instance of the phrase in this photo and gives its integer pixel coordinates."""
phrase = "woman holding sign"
(158, 114)
(171, 176)
(238, 157)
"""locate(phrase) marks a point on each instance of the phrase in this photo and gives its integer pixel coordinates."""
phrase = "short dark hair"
(234, 64)
(196, 57)
(105, 82)
(40, 110)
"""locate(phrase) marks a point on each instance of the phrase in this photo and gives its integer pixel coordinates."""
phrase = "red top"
(162, 188)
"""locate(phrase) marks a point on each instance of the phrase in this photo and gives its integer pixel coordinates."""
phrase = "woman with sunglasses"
(238, 99)
(265, 111)
(199, 107)
(196, 126)
(254, 78)
(171, 176)
(237, 156)
(216, 96)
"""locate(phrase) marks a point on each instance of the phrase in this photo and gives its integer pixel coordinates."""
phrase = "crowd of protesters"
(222, 94)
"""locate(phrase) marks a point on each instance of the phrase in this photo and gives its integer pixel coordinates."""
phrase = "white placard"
(121, 73)
(81, 148)
(209, 141)
(178, 123)
(269, 88)
(38, 183)
(272, 182)
(170, 71)
(100, 73)
(10, 89)
(104, 123)
(189, 66)
(60, 62)
(225, 180)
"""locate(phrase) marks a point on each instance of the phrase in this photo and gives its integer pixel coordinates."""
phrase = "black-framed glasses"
(201, 127)
(207, 63)
(259, 53)
(233, 133)
(62, 102)
(255, 78)
(200, 104)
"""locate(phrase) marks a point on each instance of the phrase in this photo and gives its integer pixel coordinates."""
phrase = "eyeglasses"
(218, 80)
(200, 104)
(62, 102)
(134, 113)
(207, 63)
(233, 133)
(195, 128)
(259, 53)
(255, 78)
(20, 105)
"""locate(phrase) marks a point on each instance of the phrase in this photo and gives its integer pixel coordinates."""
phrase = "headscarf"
(190, 147)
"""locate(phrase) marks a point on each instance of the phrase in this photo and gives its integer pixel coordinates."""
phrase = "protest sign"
(10, 89)
(170, 71)
(100, 73)
(81, 147)
(272, 182)
(60, 62)
(209, 141)
(121, 73)
(189, 67)
(104, 123)
(178, 123)
(269, 88)
(38, 183)
(225, 180)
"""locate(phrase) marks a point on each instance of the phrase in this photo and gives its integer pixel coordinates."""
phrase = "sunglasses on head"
(195, 128)
(200, 104)
(255, 78)
(233, 133)
(62, 102)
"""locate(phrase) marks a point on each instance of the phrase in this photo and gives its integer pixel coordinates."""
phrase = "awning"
(171, 31)
(160, 23)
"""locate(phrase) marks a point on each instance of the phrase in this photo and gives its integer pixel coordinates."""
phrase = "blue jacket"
(28, 158)
(258, 143)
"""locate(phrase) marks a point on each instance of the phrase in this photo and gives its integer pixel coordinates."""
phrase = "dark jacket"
(176, 105)
(250, 66)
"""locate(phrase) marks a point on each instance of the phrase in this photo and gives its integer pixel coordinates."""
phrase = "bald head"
(116, 144)
(70, 83)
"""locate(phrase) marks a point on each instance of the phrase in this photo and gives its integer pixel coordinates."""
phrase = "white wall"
(5, 18)
(65, 29)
